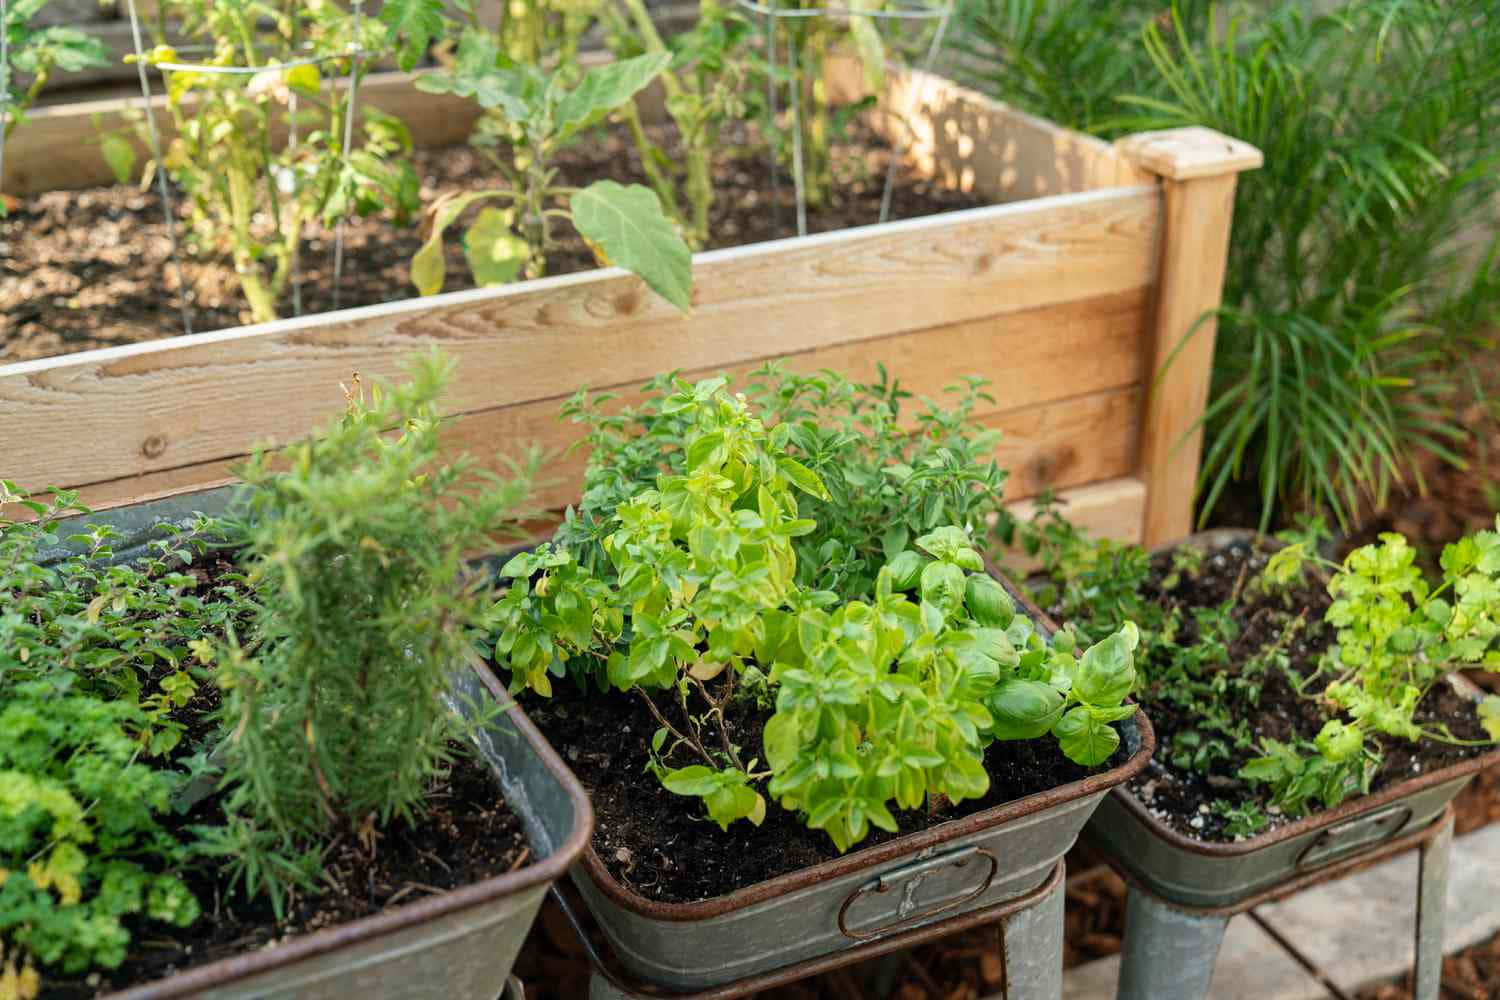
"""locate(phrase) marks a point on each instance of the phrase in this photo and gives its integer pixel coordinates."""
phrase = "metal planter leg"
(1032, 943)
(1168, 954)
(1432, 898)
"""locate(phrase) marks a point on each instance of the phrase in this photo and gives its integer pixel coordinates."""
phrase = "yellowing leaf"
(495, 253)
(706, 671)
(628, 223)
(120, 155)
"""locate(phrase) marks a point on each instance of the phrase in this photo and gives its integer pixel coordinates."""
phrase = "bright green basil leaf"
(1106, 673)
(1085, 740)
(1023, 710)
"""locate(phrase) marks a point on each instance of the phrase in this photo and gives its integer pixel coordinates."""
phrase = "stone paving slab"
(1358, 930)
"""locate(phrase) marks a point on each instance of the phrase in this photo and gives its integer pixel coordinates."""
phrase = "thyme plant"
(358, 546)
(890, 699)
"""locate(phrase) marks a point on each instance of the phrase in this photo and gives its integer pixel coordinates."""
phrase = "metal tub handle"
(1354, 834)
(887, 881)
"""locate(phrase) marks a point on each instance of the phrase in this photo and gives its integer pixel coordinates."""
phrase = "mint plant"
(688, 591)
(357, 545)
(536, 116)
(250, 196)
(1398, 636)
(1395, 636)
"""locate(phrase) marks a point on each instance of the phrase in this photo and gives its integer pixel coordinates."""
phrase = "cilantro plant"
(687, 593)
(249, 194)
(357, 546)
(536, 116)
(97, 664)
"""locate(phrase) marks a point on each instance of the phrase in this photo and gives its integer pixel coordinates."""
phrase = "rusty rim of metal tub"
(1308, 824)
(226, 971)
(896, 848)
(997, 913)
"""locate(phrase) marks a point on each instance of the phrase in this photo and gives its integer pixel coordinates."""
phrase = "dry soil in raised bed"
(92, 268)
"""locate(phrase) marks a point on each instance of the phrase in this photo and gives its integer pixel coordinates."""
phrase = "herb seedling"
(539, 116)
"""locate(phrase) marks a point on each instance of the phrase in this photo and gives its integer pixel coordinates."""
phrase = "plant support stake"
(161, 171)
(772, 13)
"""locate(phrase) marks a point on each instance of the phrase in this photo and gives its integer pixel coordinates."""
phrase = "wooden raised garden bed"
(1069, 293)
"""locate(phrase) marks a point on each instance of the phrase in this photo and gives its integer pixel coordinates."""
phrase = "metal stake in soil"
(161, 170)
(773, 13)
(355, 53)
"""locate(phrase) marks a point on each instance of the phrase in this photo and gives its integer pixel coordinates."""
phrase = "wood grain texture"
(1195, 251)
(1114, 509)
(1048, 442)
(166, 405)
(1181, 154)
(971, 142)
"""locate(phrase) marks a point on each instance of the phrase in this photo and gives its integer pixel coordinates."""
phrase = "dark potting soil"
(1181, 797)
(92, 268)
(466, 836)
(664, 847)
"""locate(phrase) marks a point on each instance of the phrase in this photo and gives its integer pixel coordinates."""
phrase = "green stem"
(262, 301)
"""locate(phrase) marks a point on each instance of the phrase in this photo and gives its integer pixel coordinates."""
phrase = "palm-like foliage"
(1348, 302)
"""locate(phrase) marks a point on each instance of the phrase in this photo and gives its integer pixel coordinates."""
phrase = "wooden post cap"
(1181, 154)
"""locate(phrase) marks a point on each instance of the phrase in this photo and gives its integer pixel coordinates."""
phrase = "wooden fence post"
(1198, 167)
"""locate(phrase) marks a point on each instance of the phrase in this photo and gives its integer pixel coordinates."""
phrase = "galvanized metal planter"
(1199, 873)
(956, 867)
(459, 944)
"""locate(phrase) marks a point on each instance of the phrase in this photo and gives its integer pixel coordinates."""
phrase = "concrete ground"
(1357, 931)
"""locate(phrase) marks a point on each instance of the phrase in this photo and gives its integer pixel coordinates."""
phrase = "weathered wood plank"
(166, 405)
(1091, 348)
